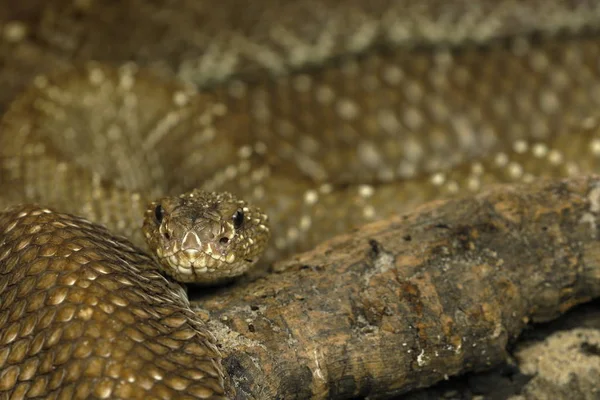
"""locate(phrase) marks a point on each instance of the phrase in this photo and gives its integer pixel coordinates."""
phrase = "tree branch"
(404, 303)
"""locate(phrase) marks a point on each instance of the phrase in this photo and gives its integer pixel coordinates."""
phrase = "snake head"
(205, 237)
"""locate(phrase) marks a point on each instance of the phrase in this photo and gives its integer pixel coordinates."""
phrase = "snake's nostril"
(224, 240)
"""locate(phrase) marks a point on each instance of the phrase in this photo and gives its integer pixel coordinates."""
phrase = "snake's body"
(378, 108)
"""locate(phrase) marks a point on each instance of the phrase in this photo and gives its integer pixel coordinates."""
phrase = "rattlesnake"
(333, 116)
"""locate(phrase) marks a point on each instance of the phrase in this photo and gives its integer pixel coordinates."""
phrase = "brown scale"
(79, 323)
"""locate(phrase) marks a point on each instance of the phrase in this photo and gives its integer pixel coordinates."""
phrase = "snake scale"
(325, 114)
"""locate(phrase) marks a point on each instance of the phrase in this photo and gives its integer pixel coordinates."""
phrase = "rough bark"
(407, 302)
(556, 360)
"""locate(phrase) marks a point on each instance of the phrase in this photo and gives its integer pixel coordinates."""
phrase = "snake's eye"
(159, 213)
(238, 219)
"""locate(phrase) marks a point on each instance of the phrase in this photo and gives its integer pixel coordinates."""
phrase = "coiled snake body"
(376, 129)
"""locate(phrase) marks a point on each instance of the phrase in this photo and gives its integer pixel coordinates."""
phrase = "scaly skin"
(78, 322)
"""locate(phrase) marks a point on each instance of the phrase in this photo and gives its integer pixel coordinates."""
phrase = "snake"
(157, 159)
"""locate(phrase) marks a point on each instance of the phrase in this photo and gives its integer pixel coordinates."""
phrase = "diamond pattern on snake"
(335, 154)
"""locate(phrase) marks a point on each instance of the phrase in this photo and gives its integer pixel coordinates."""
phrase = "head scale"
(205, 237)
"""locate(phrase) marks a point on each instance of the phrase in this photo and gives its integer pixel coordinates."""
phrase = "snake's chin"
(200, 267)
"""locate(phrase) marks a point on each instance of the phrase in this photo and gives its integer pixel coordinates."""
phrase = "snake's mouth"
(193, 265)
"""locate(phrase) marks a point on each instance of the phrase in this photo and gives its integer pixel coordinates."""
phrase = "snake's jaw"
(205, 237)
